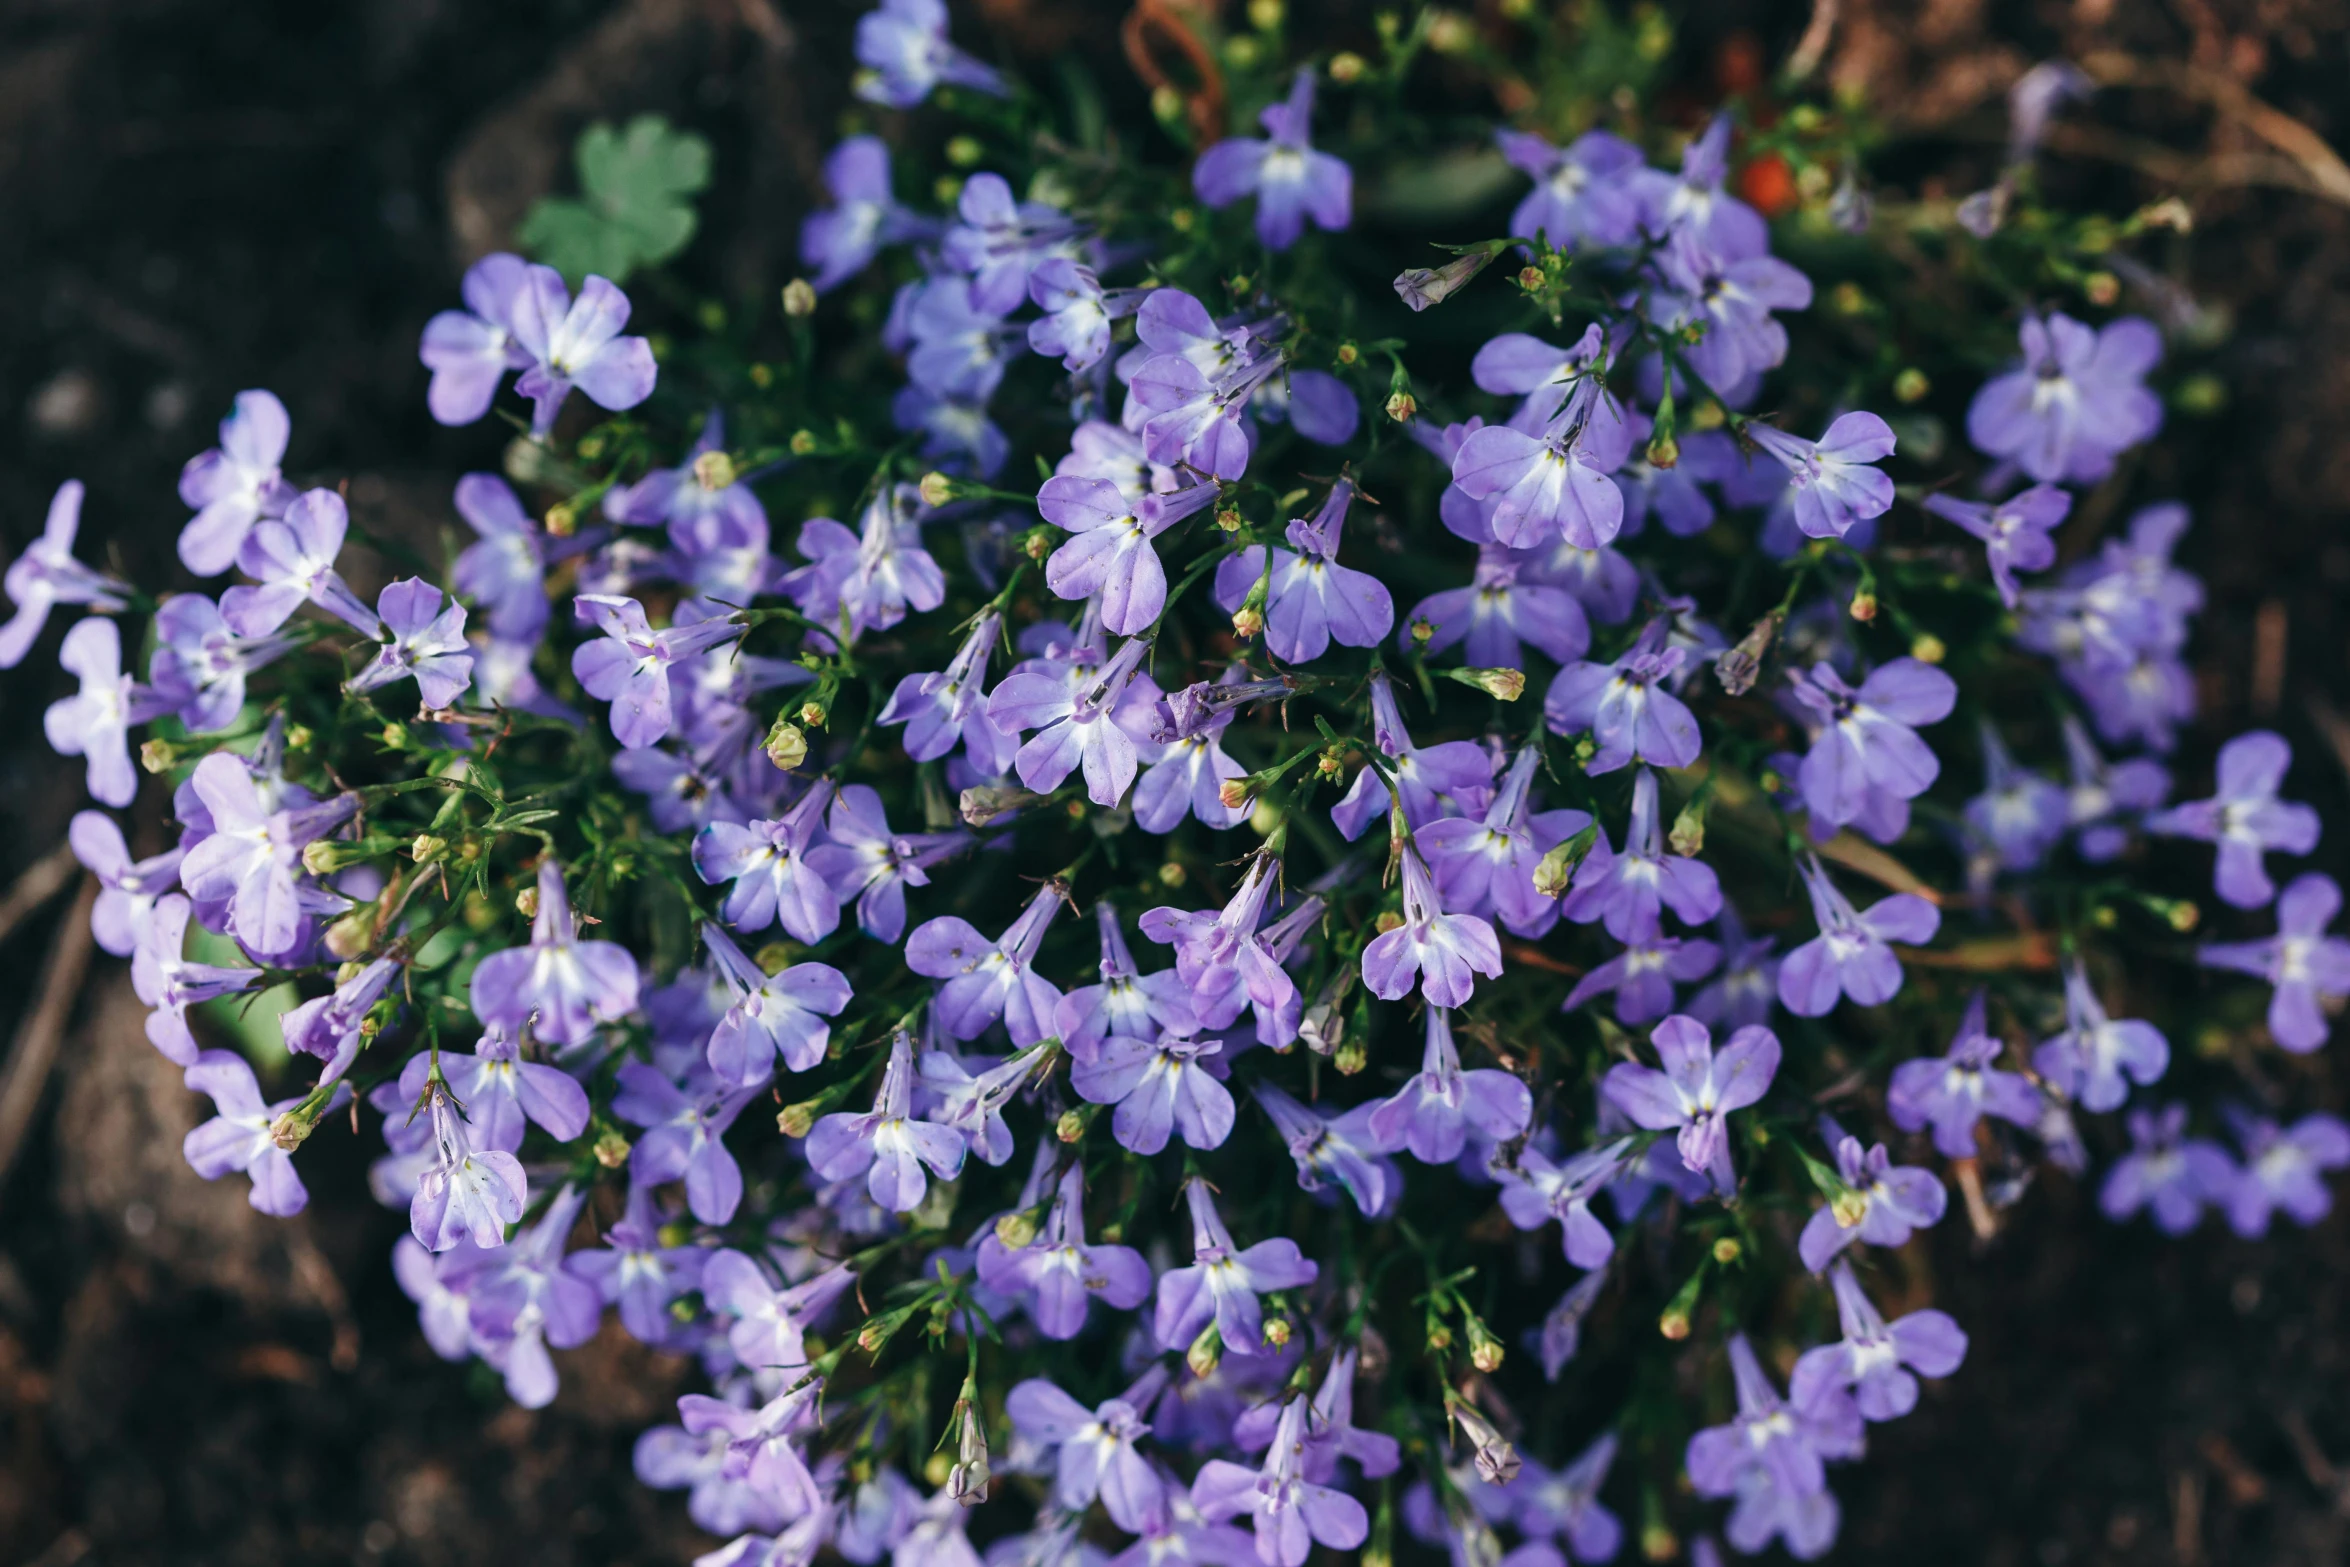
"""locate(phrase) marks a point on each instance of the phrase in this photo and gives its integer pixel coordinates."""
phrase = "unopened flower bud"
(1530, 278)
(1016, 1229)
(395, 737)
(1172, 874)
(1674, 1324)
(937, 488)
(426, 847)
(795, 1120)
(1664, 452)
(1449, 32)
(802, 442)
(1277, 1331)
(352, 934)
(562, 520)
(1331, 765)
(526, 902)
(982, 805)
(289, 1131)
(1864, 607)
(1688, 835)
(1928, 649)
(1228, 519)
(1911, 385)
(611, 1150)
(1507, 684)
(799, 298)
(1726, 1250)
(1232, 793)
(812, 714)
(1070, 1127)
(2102, 288)
(156, 756)
(1348, 353)
(1350, 1057)
(787, 745)
(1556, 870)
(1346, 66)
(1247, 622)
(1206, 1352)
(318, 857)
(964, 151)
(1658, 1543)
(1485, 1351)
(1423, 631)
(1387, 922)
(1497, 1461)
(1420, 287)
(1401, 406)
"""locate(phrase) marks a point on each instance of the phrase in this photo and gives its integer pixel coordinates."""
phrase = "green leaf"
(634, 209)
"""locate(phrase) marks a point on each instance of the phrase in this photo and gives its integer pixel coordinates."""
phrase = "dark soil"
(197, 198)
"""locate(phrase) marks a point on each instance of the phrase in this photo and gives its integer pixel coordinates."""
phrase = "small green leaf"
(634, 209)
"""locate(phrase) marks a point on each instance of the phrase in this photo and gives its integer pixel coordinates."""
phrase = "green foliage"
(635, 208)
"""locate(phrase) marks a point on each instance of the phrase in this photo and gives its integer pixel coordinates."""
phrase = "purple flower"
(1159, 1088)
(1059, 1273)
(1076, 723)
(237, 1137)
(128, 891)
(685, 1130)
(769, 1325)
(1433, 781)
(957, 433)
(2017, 818)
(666, 1458)
(629, 664)
(886, 1144)
(332, 1027)
(1188, 774)
(1292, 1512)
(1536, 1191)
(47, 575)
(778, 878)
(1125, 1004)
(1730, 299)
(468, 351)
(1626, 707)
(758, 1442)
(972, 1103)
(1335, 1152)
(2284, 1168)
(1330, 1432)
(1748, 985)
(94, 724)
(1628, 890)
(1694, 202)
(1192, 394)
(232, 486)
(1543, 475)
(635, 1272)
(940, 708)
(1875, 1359)
(1771, 1458)
(1223, 1282)
(1561, 1333)
(427, 641)
(1831, 485)
(1954, 1091)
(171, 984)
(576, 343)
(1442, 950)
(1435, 1111)
(1882, 1204)
(865, 860)
(2094, 1061)
(1697, 1089)
(250, 860)
(2099, 792)
(840, 240)
(2078, 401)
(959, 345)
(1075, 328)
(197, 671)
(2301, 961)
(499, 1090)
(1564, 1505)
(463, 1194)
(1852, 955)
(902, 44)
(1311, 600)
(1502, 607)
(504, 570)
(1002, 242)
(558, 986)
(2245, 817)
(1222, 959)
(1095, 1447)
(780, 1014)
(1643, 974)
(1291, 181)
(985, 980)
(2173, 1173)
(293, 560)
(528, 1303)
(1583, 196)
(1487, 866)
(1110, 553)
(2015, 532)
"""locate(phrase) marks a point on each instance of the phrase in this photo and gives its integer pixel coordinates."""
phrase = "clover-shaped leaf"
(634, 209)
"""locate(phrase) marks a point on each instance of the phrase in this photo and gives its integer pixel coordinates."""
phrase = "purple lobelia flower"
(1748, 985)
(171, 983)
(1852, 955)
(1188, 774)
(2078, 401)
(499, 1091)
(1310, 600)
(867, 580)
(667, 1458)
(1221, 1286)
(2017, 818)
(1160, 1088)
(2015, 532)
(1697, 1089)
(238, 1135)
(1643, 974)
(526, 1302)
(984, 980)
(779, 1014)
(943, 707)
(902, 44)
(1335, 1152)
(558, 986)
(2168, 1171)
(1583, 195)
(1060, 1273)
(1771, 1458)
(1330, 1432)
(685, 1129)
(2245, 817)
(2284, 1169)
(2094, 1061)
(1695, 201)
(1536, 1191)
(504, 569)
(469, 351)
(1543, 476)
(1110, 551)
(1440, 950)
(332, 1027)
(960, 346)
(1881, 1204)
(1435, 1111)
(1954, 1091)
(1432, 781)
(199, 665)
(1875, 1359)
(128, 889)
(1215, 952)
(234, 485)
(1094, 1453)
(886, 1144)
(1192, 394)
(1625, 706)
(1729, 300)
(1564, 1506)
(972, 1102)
(1487, 866)
(1292, 1512)
(95, 723)
(758, 1445)
(576, 343)
(957, 433)
(292, 559)
(840, 241)
(1125, 1004)
(865, 860)
(1076, 723)
(251, 860)
(1502, 607)
(1561, 1333)
(1291, 181)
(2303, 962)
(636, 1272)
(629, 664)
(1075, 328)
(1628, 890)
(47, 575)
(426, 641)
(778, 880)
(464, 1194)
(769, 1325)
(2098, 793)
(1832, 484)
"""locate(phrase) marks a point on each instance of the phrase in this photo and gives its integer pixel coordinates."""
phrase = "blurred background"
(197, 198)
